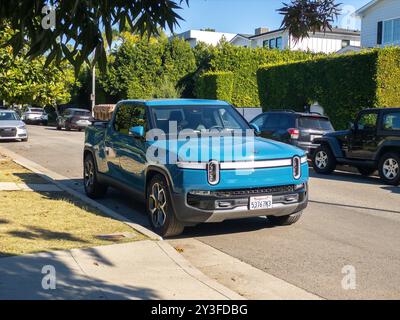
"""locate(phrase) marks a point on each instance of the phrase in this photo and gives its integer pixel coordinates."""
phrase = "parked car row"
(372, 143)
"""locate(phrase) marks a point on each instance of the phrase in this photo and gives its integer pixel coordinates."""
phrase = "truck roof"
(179, 102)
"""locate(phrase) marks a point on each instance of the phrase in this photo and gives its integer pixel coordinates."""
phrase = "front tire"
(389, 168)
(285, 220)
(323, 160)
(159, 208)
(93, 188)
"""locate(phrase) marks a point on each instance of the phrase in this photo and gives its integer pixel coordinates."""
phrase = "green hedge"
(343, 85)
(215, 85)
(244, 63)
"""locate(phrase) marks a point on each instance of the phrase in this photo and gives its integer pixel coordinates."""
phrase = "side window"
(128, 116)
(368, 121)
(259, 122)
(66, 112)
(228, 120)
(391, 121)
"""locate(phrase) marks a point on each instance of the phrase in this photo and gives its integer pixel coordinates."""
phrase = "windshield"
(317, 123)
(82, 113)
(36, 110)
(8, 116)
(198, 118)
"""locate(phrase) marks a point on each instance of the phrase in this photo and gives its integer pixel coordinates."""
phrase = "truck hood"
(11, 123)
(239, 149)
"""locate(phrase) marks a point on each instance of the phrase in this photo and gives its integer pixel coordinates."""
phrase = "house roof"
(367, 7)
(334, 31)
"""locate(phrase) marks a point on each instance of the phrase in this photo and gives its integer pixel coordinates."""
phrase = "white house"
(380, 23)
(208, 37)
(326, 42)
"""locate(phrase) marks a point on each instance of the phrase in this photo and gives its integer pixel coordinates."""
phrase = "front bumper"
(16, 134)
(193, 209)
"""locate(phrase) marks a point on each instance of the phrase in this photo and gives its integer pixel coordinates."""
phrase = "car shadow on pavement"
(346, 177)
(227, 227)
(23, 278)
(392, 189)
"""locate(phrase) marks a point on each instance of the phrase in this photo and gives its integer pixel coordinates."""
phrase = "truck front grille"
(253, 191)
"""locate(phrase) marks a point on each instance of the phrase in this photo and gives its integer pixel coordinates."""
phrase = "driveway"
(351, 221)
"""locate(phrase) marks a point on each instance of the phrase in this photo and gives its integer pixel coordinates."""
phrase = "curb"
(164, 246)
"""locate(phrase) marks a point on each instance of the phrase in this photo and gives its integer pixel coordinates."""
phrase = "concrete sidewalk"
(138, 270)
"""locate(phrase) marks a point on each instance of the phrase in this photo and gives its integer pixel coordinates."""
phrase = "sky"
(243, 16)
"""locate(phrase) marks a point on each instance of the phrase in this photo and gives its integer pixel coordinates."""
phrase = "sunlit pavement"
(351, 220)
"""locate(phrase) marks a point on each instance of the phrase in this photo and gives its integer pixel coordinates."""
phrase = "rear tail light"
(294, 133)
(296, 167)
(213, 172)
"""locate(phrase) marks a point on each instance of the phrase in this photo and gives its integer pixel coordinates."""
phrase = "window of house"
(391, 31)
(266, 43)
(279, 43)
(345, 43)
(272, 43)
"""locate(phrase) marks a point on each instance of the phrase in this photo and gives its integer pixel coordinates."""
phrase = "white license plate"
(259, 203)
(83, 121)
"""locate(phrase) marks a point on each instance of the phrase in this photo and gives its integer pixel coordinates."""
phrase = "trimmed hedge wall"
(343, 85)
(244, 63)
(215, 85)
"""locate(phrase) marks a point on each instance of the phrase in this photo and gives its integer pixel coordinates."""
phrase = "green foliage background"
(244, 63)
(143, 68)
(25, 81)
(216, 85)
(343, 85)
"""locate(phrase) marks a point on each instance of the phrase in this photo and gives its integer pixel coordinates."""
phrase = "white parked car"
(12, 127)
(35, 116)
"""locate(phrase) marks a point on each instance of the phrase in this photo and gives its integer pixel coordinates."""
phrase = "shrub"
(244, 63)
(215, 85)
(343, 85)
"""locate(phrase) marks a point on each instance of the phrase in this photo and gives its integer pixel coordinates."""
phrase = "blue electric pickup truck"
(194, 161)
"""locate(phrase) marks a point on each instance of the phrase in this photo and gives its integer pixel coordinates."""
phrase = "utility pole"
(93, 95)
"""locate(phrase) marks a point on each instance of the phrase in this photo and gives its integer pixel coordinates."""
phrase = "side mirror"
(137, 132)
(256, 128)
(352, 126)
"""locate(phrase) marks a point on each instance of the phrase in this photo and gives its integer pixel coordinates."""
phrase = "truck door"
(363, 142)
(112, 143)
(131, 150)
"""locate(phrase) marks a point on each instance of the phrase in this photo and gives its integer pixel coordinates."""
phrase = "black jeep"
(372, 143)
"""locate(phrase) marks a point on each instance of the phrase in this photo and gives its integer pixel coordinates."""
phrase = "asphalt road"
(351, 221)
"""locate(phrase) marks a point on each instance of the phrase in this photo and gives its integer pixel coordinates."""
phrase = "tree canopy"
(25, 81)
(78, 25)
(304, 16)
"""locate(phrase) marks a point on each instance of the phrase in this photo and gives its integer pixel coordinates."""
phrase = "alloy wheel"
(321, 159)
(390, 168)
(157, 205)
(89, 174)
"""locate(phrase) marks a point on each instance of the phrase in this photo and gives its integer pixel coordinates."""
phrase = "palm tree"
(304, 16)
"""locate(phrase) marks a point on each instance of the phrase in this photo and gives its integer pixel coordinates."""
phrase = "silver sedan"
(12, 127)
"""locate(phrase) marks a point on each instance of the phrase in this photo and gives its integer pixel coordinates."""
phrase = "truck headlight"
(296, 164)
(22, 127)
(213, 172)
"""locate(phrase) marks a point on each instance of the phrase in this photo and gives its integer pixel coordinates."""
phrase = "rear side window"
(316, 123)
(391, 121)
(273, 121)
